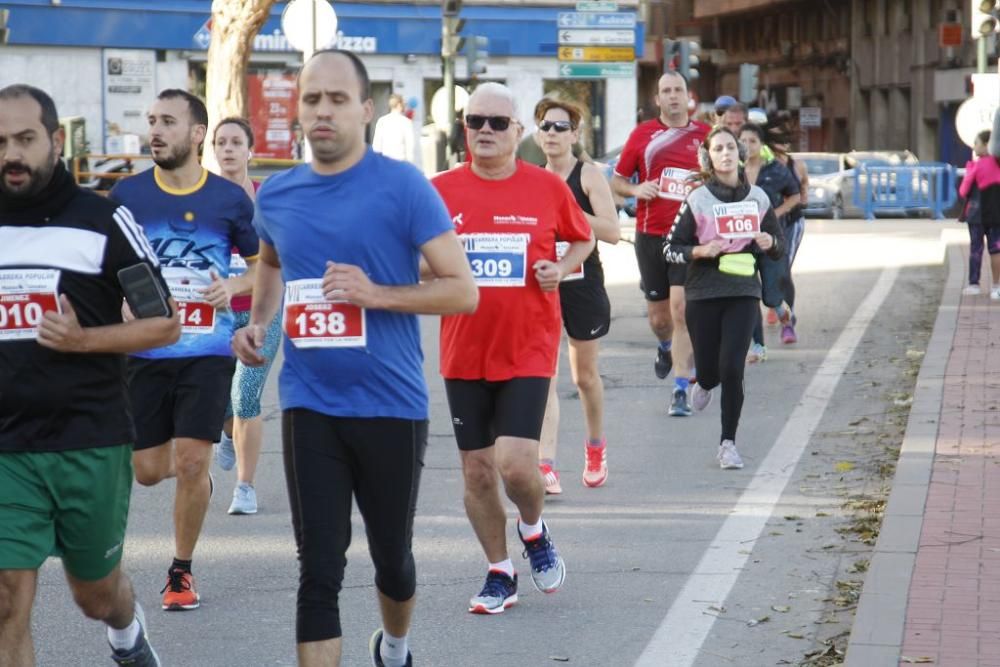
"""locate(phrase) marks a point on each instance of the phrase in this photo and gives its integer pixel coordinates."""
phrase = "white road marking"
(679, 638)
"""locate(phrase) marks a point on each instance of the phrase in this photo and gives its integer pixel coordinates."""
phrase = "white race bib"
(25, 296)
(197, 315)
(675, 184)
(310, 320)
(562, 247)
(497, 260)
(737, 220)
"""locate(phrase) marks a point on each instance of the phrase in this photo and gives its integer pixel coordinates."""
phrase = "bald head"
(337, 58)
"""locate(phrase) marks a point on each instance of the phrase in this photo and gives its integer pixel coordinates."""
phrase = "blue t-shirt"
(193, 232)
(375, 215)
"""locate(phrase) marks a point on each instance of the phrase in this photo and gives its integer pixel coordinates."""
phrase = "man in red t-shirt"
(498, 362)
(664, 153)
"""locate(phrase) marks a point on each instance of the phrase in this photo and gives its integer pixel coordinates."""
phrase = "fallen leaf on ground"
(780, 607)
(921, 660)
(757, 621)
(844, 466)
(559, 658)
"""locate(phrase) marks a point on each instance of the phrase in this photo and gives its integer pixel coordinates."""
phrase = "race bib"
(310, 320)
(237, 265)
(674, 184)
(197, 315)
(497, 260)
(562, 247)
(25, 296)
(737, 220)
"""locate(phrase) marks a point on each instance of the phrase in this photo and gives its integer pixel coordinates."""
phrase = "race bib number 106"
(738, 220)
(310, 320)
(25, 296)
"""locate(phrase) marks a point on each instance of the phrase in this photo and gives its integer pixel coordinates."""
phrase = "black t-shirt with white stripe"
(54, 401)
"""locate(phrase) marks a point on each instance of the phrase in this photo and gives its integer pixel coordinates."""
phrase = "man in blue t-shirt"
(343, 238)
(179, 393)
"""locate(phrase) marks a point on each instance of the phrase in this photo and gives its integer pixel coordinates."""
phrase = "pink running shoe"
(595, 472)
(551, 479)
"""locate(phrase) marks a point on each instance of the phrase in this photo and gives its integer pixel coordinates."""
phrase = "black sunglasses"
(558, 125)
(497, 123)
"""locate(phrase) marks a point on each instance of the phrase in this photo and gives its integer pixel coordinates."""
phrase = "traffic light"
(4, 30)
(749, 81)
(476, 52)
(671, 48)
(451, 42)
(985, 17)
(688, 60)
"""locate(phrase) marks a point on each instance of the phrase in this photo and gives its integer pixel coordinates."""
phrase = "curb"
(877, 632)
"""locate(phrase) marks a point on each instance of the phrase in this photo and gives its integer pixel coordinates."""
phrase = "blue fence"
(902, 189)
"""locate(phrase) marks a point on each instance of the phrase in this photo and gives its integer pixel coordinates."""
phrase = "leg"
(192, 461)
(550, 426)
(17, 596)
(515, 461)
(735, 326)
(248, 438)
(654, 283)
(757, 335)
(587, 378)
(993, 248)
(482, 501)
(660, 319)
(109, 600)
(154, 464)
(248, 387)
(976, 245)
(706, 332)
(681, 337)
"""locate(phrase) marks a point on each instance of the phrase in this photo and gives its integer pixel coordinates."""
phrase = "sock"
(184, 565)
(393, 650)
(124, 639)
(665, 345)
(505, 566)
(780, 311)
(599, 442)
(681, 383)
(530, 531)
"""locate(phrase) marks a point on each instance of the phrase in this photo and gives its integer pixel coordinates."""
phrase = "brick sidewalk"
(953, 610)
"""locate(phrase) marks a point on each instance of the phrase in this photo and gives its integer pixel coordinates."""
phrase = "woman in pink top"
(981, 186)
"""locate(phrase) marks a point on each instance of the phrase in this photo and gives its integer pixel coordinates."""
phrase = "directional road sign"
(597, 53)
(597, 70)
(597, 6)
(586, 37)
(596, 20)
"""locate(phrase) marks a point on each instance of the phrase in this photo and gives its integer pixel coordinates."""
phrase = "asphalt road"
(641, 550)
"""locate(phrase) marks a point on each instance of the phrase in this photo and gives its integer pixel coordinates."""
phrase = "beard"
(38, 177)
(177, 157)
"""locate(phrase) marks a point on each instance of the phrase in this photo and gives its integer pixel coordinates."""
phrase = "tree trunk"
(235, 23)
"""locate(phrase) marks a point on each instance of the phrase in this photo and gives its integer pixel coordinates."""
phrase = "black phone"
(143, 291)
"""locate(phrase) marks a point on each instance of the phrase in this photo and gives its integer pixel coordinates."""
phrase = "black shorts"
(656, 276)
(586, 310)
(482, 411)
(178, 398)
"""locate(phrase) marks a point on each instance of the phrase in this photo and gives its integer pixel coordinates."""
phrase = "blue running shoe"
(142, 653)
(225, 452)
(499, 592)
(548, 571)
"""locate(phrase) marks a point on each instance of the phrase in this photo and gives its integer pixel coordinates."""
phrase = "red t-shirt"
(651, 148)
(505, 227)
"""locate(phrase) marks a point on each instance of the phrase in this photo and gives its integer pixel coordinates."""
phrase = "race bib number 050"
(737, 220)
(197, 315)
(674, 184)
(25, 296)
(497, 260)
(310, 320)
(562, 247)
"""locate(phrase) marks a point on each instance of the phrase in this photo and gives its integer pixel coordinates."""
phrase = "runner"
(509, 215)
(586, 310)
(65, 428)
(982, 175)
(794, 229)
(344, 234)
(242, 433)
(720, 229)
(179, 393)
(734, 117)
(664, 153)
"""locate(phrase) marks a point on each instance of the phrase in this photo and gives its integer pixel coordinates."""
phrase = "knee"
(97, 607)
(16, 600)
(192, 466)
(147, 473)
(587, 379)
(480, 475)
(519, 473)
(396, 578)
(661, 320)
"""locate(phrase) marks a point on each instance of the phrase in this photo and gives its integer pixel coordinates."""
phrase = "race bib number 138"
(310, 320)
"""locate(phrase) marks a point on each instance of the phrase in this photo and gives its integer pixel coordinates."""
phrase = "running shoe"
(142, 653)
(757, 353)
(788, 336)
(499, 592)
(772, 316)
(663, 363)
(729, 458)
(700, 397)
(225, 452)
(679, 406)
(179, 593)
(548, 571)
(551, 479)
(244, 499)
(995, 293)
(971, 290)
(375, 650)
(595, 471)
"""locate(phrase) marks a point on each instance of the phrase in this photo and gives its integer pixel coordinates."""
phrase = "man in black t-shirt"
(65, 425)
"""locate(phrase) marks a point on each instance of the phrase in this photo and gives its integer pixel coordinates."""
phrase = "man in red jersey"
(498, 362)
(664, 153)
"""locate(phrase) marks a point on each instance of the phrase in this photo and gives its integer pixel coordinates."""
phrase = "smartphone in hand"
(143, 291)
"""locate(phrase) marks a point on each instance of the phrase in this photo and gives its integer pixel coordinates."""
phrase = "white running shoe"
(701, 398)
(729, 458)
(971, 290)
(995, 293)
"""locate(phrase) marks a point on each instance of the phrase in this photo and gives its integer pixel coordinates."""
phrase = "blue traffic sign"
(595, 20)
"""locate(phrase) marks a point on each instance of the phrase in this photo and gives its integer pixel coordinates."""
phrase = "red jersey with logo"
(667, 155)
(505, 227)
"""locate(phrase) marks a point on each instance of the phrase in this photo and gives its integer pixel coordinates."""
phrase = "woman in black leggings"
(720, 229)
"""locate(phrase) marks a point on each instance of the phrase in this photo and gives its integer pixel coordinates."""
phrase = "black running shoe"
(663, 363)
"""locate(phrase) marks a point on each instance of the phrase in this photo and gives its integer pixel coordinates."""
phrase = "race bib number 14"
(25, 296)
(310, 320)
(737, 220)
(197, 315)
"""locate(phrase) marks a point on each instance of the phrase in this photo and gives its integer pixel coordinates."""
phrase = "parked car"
(832, 180)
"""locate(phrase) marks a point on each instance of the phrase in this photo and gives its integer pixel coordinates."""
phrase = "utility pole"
(451, 25)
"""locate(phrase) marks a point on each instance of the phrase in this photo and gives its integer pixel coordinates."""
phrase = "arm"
(604, 222)
(451, 289)
(803, 173)
(62, 332)
(968, 180)
(679, 248)
(771, 239)
(222, 290)
(624, 188)
(267, 294)
(791, 201)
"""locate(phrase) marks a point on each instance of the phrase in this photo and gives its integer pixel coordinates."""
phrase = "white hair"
(498, 89)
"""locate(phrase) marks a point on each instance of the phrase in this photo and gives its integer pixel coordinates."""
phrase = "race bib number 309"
(310, 320)
(497, 260)
(25, 296)
(737, 220)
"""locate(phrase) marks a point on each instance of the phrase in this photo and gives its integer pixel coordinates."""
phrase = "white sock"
(505, 566)
(124, 639)
(393, 650)
(530, 529)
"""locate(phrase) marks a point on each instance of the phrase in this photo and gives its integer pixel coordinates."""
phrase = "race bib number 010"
(497, 260)
(562, 247)
(25, 296)
(310, 320)
(737, 220)
(675, 184)
(197, 315)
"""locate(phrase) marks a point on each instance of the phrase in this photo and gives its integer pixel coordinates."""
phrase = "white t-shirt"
(394, 137)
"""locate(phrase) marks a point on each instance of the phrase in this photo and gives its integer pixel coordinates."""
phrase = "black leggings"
(720, 334)
(326, 459)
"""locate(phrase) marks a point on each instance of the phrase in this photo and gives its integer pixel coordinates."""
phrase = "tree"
(235, 23)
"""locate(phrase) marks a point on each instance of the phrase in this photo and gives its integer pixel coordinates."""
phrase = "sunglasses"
(557, 125)
(497, 123)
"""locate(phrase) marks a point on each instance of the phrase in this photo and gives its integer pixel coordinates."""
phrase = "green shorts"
(71, 504)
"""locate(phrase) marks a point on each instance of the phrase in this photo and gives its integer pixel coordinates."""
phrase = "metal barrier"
(900, 189)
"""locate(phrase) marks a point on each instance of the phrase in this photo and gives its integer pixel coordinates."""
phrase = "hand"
(127, 315)
(548, 274)
(247, 343)
(710, 250)
(218, 294)
(347, 282)
(648, 190)
(764, 240)
(62, 331)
